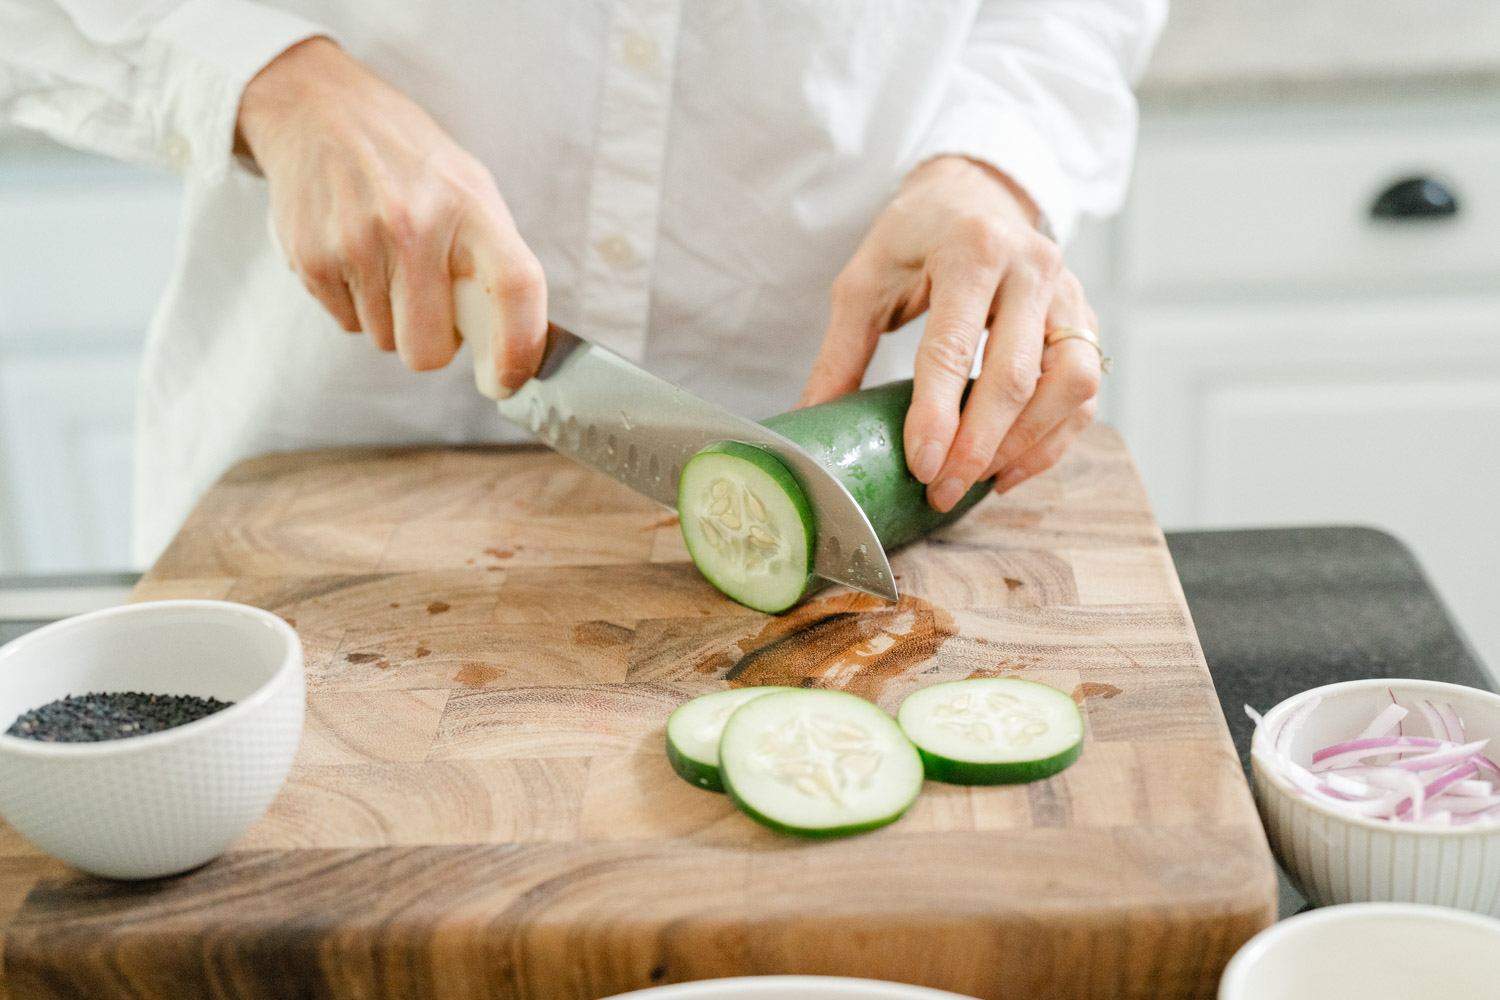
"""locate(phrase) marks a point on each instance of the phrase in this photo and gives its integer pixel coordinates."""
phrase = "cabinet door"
(1369, 412)
(67, 423)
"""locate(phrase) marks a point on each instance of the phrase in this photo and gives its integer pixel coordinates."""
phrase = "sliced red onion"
(1441, 780)
(1434, 721)
(1472, 787)
(1389, 718)
(1450, 718)
(1356, 750)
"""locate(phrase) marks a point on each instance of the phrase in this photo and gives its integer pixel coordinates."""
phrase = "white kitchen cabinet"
(67, 420)
(1285, 358)
(86, 247)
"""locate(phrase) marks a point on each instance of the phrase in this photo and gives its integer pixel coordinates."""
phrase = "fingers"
(1008, 379)
(1070, 376)
(370, 289)
(333, 293)
(960, 304)
(850, 340)
(1046, 452)
(421, 287)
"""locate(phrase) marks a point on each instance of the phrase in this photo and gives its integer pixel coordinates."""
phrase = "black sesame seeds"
(93, 718)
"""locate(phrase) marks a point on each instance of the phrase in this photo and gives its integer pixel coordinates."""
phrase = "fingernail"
(928, 460)
(947, 493)
(1008, 478)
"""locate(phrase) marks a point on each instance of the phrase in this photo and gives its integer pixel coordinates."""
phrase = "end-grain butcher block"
(483, 806)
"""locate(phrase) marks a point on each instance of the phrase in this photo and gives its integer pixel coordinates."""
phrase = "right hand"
(379, 212)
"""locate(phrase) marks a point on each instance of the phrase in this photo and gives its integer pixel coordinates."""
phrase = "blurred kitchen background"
(1302, 295)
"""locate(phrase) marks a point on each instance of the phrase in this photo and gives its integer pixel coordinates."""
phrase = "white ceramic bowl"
(1372, 951)
(169, 801)
(789, 988)
(1335, 858)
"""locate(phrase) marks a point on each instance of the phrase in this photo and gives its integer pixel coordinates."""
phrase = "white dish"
(1373, 951)
(789, 988)
(165, 802)
(1336, 858)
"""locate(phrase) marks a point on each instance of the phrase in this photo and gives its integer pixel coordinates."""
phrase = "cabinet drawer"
(1231, 203)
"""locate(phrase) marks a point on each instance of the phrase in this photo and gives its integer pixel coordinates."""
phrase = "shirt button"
(179, 151)
(616, 250)
(641, 52)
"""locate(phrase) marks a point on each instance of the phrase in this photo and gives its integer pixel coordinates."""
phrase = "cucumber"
(818, 763)
(992, 731)
(694, 729)
(858, 438)
(766, 562)
(747, 525)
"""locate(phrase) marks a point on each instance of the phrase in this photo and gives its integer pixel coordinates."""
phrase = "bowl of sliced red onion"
(1384, 790)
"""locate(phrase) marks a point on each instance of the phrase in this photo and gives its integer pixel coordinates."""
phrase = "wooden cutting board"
(482, 806)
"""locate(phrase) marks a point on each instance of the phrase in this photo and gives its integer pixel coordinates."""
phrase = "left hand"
(959, 241)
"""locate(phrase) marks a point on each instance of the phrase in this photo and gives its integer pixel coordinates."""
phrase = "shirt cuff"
(1007, 141)
(210, 50)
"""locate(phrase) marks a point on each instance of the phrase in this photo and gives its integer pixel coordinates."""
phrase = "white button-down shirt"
(691, 174)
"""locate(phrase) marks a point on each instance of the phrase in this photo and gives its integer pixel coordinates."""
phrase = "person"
(702, 187)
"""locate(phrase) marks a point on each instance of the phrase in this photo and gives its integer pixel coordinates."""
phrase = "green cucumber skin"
(962, 772)
(858, 438)
(694, 772)
(826, 833)
(767, 462)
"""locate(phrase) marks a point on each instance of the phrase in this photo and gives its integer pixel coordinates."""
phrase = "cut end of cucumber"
(818, 763)
(747, 525)
(694, 729)
(993, 731)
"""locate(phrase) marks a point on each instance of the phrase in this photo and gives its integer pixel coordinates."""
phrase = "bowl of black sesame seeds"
(140, 741)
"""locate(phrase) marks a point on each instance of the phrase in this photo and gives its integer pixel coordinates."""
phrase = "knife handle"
(475, 322)
(474, 319)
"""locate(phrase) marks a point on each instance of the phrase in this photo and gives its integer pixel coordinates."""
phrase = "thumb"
(848, 344)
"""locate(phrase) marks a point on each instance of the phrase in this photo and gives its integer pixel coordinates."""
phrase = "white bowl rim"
(812, 986)
(1239, 966)
(291, 663)
(1275, 716)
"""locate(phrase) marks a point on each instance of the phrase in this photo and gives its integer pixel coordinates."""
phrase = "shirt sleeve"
(1042, 91)
(156, 83)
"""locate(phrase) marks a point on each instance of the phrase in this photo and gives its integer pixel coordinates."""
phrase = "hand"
(379, 211)
(959, 241)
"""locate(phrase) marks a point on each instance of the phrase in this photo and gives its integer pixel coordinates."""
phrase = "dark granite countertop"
(1282, 610)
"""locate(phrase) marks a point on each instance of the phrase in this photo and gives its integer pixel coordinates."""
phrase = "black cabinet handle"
(1415, 198)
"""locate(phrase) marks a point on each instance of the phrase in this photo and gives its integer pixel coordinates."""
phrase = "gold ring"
(1087, 336)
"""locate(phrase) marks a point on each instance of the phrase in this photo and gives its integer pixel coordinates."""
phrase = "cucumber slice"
(818, 763)
(992, 731)
(694, 729)
(765, 562)
(747, 525)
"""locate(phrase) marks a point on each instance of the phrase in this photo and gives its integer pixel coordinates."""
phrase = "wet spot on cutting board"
(1092, 689)
(500, 553)
(476, 675)
(600, 635)
(849, 642)
(361, 657)
(438, 607)
(421, 651)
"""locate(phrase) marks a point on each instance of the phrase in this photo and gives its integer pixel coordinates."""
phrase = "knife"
(609, 414)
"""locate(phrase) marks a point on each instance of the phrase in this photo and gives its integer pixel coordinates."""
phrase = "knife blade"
(609, 414)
